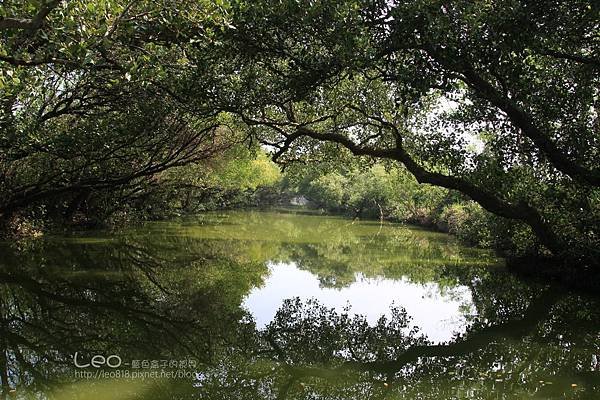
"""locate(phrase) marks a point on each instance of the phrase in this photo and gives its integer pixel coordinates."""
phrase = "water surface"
(440, 316)
(285, 305)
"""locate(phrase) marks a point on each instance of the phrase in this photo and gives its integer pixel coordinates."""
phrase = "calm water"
(284, 305)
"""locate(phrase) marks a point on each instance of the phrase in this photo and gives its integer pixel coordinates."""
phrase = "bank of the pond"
(474, 227)
(579, 274)
(571, 273)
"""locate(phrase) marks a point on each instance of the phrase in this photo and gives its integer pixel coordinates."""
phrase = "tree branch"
(489, 201)
(520, 118)
(32, 24)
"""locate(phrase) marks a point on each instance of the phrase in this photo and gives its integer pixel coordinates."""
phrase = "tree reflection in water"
(168, 291)
(311, 352)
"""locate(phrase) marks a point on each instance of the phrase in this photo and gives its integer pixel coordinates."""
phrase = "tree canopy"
(497, 100)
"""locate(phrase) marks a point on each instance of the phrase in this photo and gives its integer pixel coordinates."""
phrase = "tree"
(495, 100)
(88, 105)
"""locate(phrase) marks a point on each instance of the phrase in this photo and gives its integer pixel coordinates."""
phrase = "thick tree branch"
(523, 121)
(572, 57)
(32, 24)
(520, 211)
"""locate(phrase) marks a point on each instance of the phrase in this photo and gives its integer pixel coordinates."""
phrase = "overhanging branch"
(520, 211)
(30, 24)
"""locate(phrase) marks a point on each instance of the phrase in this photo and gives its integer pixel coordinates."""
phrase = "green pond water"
(284, 305)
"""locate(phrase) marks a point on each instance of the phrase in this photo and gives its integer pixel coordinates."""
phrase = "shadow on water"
(172, 303)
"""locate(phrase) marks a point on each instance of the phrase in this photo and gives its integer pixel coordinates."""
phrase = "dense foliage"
(496, 100)
(92, 126)
(390, 193)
